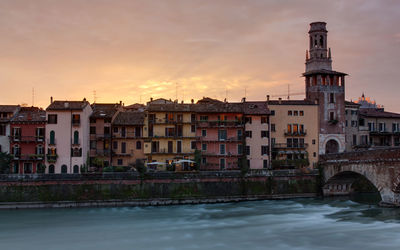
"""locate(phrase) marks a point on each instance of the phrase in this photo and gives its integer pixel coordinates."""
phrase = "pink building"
(220, 134)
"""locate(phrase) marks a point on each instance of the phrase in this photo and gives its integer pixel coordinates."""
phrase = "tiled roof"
(324, 71)
(135, 106)
(8, 108)
(348, 103)
(208, 100)
(219, 107)
(173, 107)
(104, 110)
(291, 102)
(378, 113)
(30, 114)
(68, 105)
(256, 108)
(129, 118)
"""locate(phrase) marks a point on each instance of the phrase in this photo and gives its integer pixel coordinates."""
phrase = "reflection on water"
(285, 224)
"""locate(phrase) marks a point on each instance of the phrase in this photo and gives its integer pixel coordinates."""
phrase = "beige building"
(294, 133)
(127, 138)
(169, 132)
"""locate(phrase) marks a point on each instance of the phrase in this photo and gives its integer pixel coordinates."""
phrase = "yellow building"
(294, 133)
(169, 132)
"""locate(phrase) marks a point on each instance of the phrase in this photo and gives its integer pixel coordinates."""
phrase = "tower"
(327, 87)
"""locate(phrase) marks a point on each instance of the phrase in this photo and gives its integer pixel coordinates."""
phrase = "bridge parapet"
(368, 156)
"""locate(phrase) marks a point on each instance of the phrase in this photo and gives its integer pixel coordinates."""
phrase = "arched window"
(51, 169)
(76, 169)
(321, 41)
(64, 169)
(76, 137)
(52, 137)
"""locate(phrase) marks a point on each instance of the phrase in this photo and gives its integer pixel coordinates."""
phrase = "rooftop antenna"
(94, 96)
(176, 91)
(33, 97)
(226, 93)
(245, 92)
(140, 99)
(288, 91)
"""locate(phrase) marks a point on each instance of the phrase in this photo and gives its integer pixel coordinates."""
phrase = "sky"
(131, 50)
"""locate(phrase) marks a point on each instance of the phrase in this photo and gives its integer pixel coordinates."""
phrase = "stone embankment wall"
(152, 188)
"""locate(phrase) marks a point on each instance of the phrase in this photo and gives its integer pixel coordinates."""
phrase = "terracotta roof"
(324, 71)
(256, 108)
(129, 118)
(8, 108)
(378, 113)
(291, 102)
(104, 110)
(30, 114)
(208, 100)
(219, 107)
(173, 107)
(135, 106)
(68, 105)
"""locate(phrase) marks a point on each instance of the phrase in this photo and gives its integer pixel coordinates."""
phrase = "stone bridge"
(380, 166)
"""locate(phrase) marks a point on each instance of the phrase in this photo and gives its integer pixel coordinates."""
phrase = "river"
(282, 224)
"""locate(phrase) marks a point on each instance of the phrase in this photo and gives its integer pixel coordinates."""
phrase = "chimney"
(244, 99)
(192, 101)
(268, 98)
(84, 99)
(182, 102)
(280, 100)
(120, 103)
(151, 99)
(51, 99)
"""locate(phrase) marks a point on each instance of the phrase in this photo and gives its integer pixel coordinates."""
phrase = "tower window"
(331, 116)
(331, 98)
(321, 41)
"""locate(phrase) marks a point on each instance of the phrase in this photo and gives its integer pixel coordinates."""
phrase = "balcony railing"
(296, 133)
(51, 142)
(290, 145)
(51, 158)
(27, 157)
(230, 139)
(18, 138)
(76, 142)
(166, 151)
(211, 124)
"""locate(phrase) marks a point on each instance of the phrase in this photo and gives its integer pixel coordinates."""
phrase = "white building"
(67, 136)
(6, 113)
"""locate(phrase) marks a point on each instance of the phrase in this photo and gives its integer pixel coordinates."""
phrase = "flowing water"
(284, 224)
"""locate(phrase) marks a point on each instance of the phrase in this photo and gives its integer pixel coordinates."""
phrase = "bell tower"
(326, 87)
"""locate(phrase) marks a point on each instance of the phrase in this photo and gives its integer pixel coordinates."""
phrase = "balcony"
(296, 133)
(51, 158)
(120, 154)
(217, 124)
(166, 152)
(230, 139)
(129, 135)
(27, 139)
(290, 146)
(103, 136)
(226, 155)
(103, 152)
(76, 143)
(28, 157)
(381, 132)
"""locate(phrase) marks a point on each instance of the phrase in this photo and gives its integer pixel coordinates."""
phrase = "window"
(354, 140)
(115, 129)
(51, 169)
(331, 116)
(295, 113)
(76, 137)
(64, 169)
(39, 134)
(314, 154)
(222, 163)
(204, 160)
(289, 113)
(239, 134)
(240, 149)
(313, 141)
(138, 145)
(123, 147)
(204, 132)
(395, 127)
(17, 133)
(107, 130)
(222, 149)
(272, 127)
(289, 142)
(248, 120)
(222, 135)
(247, 150)
(76, 119)
(193, 144)
(382, 127)
(273, 141)
(289, 128)
(301, 112)
(331, 98)
(265, 163)
(93, 144)
(264, 134)
(179, 117)
(264, 119)
(40, 150)
(193, 118)
(272, 112)
(76, 169)
(120, 162)
(115, 145)
(204, 147)
(302, 131)
(52, 119)
(52, 137)
(2, 129)
(193, 128)
(248, 133)
(203, 118)
(264, 150)
(179, 146)
(92, 130)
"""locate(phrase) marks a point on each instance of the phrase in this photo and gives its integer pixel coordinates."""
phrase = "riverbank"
(152, 189)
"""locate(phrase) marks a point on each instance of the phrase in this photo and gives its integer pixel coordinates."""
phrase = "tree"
(5, 162)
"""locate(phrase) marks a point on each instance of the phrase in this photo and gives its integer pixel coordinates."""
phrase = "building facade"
(101, 134)
(67, 136)
(6, 113)
(294, 133)
(327, 87)
(27, 142)
(257, 134)
(127, 139)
